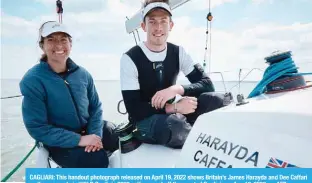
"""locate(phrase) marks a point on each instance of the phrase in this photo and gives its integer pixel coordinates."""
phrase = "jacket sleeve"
(36, 119)
(95, 123)
(200, 82)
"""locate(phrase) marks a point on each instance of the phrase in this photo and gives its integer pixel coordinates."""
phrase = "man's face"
(157, 25)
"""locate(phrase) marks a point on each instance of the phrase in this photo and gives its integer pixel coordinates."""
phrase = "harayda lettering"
(238, 151)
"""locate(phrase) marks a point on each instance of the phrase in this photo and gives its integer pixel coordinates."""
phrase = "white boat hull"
(270, 127)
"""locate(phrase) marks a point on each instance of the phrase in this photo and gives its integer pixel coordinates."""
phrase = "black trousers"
(77, 157)
(172, 129)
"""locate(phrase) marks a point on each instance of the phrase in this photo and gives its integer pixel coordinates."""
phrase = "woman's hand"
(92, 148)
(90, 140)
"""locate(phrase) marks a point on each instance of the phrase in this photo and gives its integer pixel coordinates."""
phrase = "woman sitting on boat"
(61, 107)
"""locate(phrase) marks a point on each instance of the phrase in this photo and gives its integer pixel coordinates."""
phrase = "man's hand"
(161, 97)
(187, 105)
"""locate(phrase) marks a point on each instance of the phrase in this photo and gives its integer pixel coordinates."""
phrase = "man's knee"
(210, 101)
(153, 130)
(179, 128)
(172, 131)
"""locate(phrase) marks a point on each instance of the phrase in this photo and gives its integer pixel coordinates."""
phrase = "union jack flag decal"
(276, 163)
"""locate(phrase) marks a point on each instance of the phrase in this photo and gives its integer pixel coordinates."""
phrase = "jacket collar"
(70, 64)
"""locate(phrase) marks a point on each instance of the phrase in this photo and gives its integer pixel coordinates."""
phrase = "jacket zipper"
(70, 92)
(75, 103)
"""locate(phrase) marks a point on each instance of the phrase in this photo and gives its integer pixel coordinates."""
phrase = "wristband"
(177, 98)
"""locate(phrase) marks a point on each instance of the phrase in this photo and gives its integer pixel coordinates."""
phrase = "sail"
(134, 22)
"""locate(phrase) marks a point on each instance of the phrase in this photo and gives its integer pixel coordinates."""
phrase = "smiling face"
(57, 47)
(157, 25)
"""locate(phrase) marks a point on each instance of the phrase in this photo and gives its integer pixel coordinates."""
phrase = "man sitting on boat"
(61, 107)
(148, 83)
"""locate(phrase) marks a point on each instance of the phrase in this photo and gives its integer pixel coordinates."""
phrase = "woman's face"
(57, 47)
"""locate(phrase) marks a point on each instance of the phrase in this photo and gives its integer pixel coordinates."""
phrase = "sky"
(243, 33)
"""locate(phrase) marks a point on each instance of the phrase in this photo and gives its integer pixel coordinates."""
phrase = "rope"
(239, 81)
(210, 46)
(208, 31)
(210, 38)
(206, 47)
(133, 34)
(209, 5)
(15, 96)
(118, 108)
(222, 79)
(260, 69)
(18, 165)
(123, 139)
(286, 67)
(138, 35)
(135, 39)
(24, 159)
